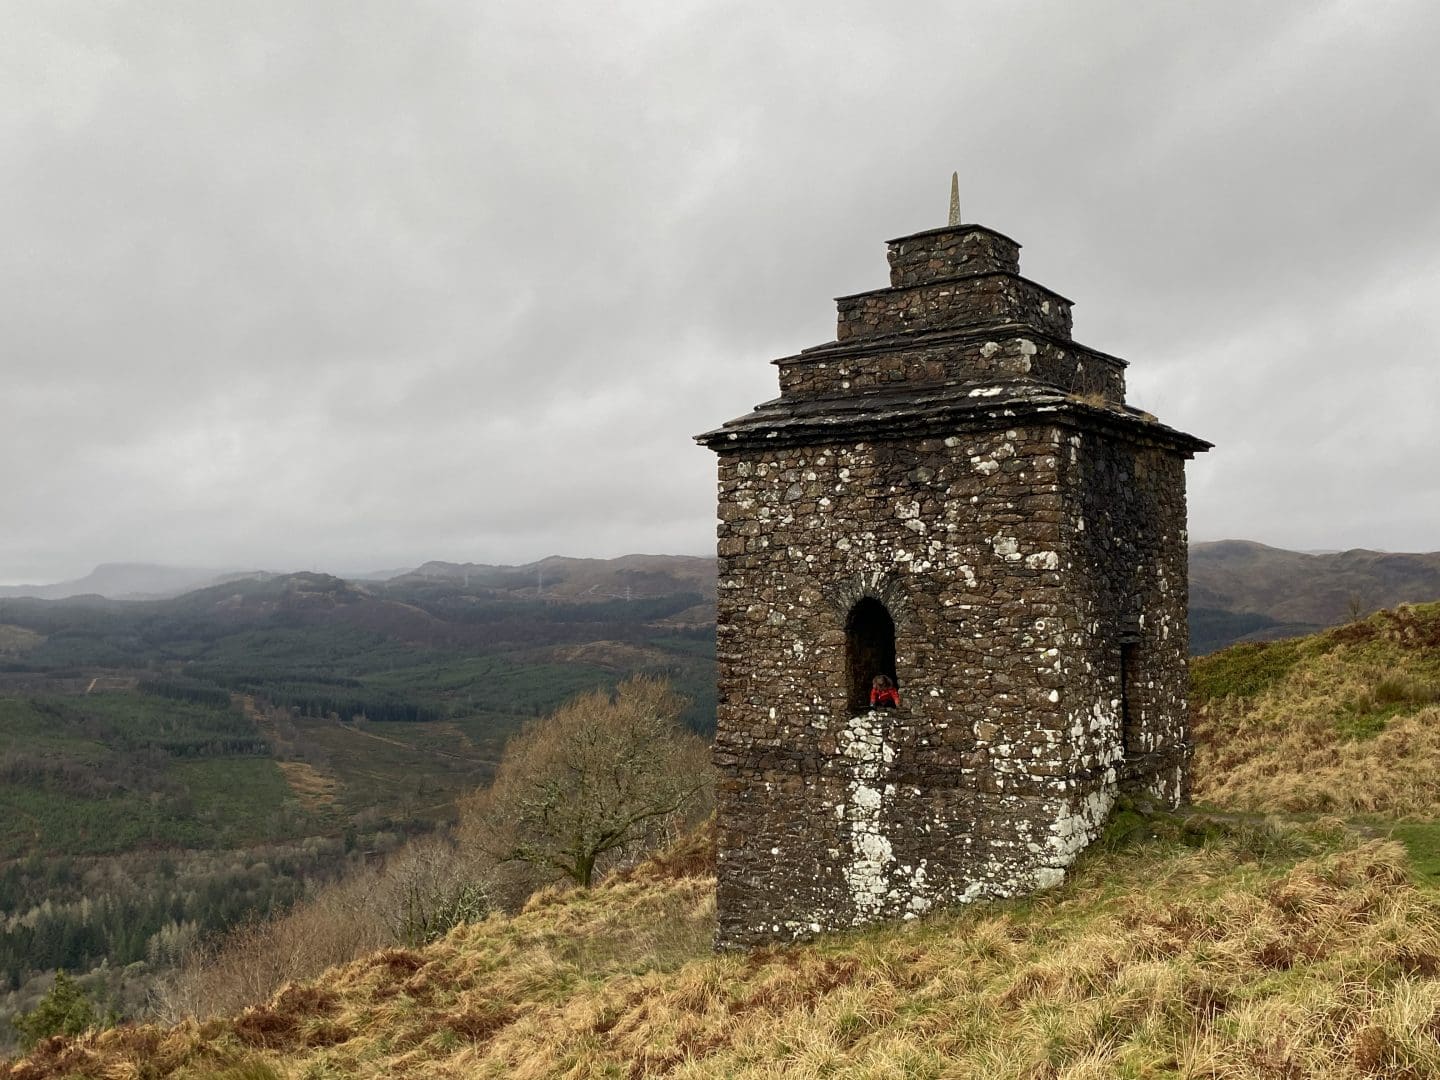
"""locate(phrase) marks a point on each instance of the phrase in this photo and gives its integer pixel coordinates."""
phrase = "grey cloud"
(349, 283)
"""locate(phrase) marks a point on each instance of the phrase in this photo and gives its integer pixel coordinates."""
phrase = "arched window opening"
(869, 649)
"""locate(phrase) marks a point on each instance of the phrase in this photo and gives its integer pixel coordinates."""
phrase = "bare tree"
(599, 775)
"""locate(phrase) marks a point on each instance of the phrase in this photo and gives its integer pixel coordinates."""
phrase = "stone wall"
(1125, 528)
(830, 819)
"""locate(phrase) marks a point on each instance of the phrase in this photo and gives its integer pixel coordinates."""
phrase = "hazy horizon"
(372, 569)
(362, 285)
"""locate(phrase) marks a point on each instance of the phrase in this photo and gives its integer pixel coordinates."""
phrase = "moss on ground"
(1422, 844)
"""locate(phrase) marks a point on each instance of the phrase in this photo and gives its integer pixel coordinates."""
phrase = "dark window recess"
(1130, 698)
(869, 649)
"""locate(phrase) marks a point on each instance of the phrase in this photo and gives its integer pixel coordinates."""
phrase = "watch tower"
(952, 494)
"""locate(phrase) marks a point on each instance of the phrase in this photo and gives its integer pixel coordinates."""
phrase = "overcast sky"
(353, 285)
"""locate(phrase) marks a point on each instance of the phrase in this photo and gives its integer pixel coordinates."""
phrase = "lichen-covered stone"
(957, 458)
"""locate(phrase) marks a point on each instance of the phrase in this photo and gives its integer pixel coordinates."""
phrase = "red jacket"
(888, 696)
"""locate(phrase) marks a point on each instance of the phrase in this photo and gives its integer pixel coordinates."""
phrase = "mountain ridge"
(1240, 590)
(129, 581)
(1243, 590)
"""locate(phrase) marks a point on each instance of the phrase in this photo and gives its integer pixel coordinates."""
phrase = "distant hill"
(1244, 591)
(129, 581)
(555, 577)
(1240, 590)
(628, 577)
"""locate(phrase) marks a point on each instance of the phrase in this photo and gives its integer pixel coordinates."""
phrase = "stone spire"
(954, 199)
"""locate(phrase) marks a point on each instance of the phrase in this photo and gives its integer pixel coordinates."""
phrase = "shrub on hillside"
(602, 777)
(65, 1010)
(416, 896)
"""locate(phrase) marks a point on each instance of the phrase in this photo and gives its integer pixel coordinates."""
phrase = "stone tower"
(954, 494)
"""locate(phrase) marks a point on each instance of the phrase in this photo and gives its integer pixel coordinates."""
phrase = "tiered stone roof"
(959, 339)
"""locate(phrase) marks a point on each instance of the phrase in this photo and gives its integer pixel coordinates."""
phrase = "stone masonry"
(953, 493)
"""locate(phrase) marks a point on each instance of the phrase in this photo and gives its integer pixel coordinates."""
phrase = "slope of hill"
(1215, 943)
(560, 578)
(439, 675)
(1196, 952)
(1346, 721)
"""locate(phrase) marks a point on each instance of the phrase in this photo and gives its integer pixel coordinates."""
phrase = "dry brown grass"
(314, 789)
(1283, 756)
(1347, 726)
(1156, 961)
(370, 909)
(254, 961)
(1238, 958)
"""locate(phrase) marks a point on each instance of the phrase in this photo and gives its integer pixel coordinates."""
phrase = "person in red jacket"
(883, 694)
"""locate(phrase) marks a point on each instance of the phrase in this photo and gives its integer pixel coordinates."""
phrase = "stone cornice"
(937, 411)
(891, 290)
(926, 339)
(957, 230)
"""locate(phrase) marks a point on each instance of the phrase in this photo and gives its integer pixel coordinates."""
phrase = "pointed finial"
(955, 198)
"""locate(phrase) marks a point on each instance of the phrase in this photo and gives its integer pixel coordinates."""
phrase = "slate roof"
(938, 410)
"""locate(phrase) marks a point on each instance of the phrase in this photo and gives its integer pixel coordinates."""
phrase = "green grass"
(1366, 714)
(1422, 844)
(218, 804)
(28, 722)
(1242, 671)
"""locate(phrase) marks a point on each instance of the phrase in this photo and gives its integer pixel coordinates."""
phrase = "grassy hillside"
(1278, 930)
(1347, 721)
(111, 771)
(1193, 951)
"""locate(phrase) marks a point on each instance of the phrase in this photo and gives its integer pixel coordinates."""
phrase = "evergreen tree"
(65, 1010)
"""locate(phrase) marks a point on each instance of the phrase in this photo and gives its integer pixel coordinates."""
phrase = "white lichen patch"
(1071, 832)
(1047, 877)
(1006, 547)
(869, 869)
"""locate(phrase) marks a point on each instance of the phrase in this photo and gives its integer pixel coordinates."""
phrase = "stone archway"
(869, 649)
